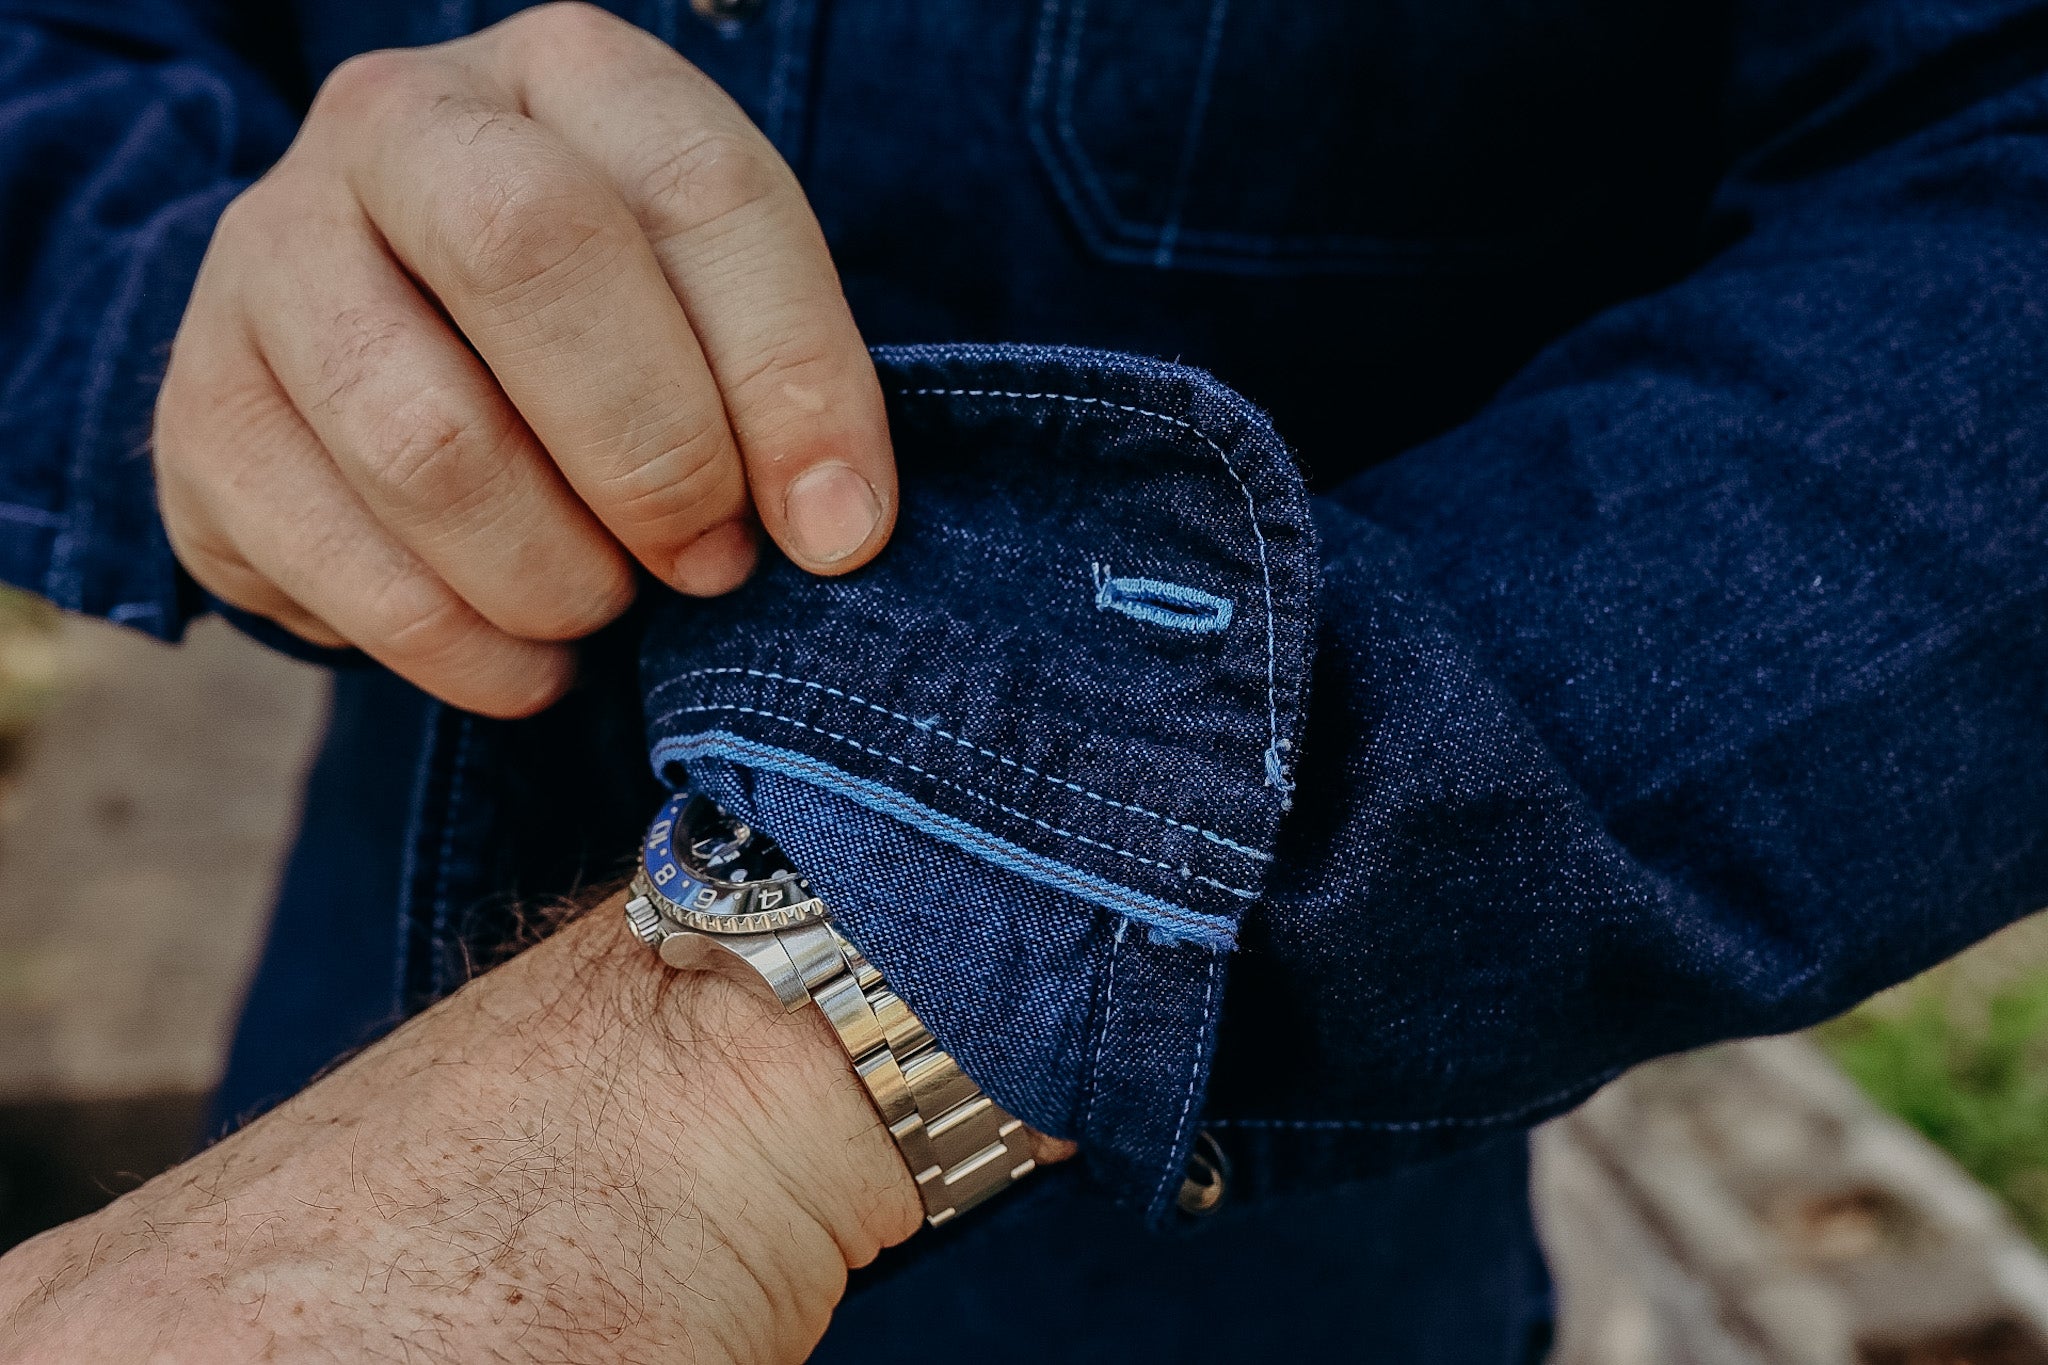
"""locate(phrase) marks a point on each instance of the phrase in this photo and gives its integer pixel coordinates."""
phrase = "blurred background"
(1873, 1194)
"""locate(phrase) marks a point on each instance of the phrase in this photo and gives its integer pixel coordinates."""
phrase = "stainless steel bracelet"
(961, 1147)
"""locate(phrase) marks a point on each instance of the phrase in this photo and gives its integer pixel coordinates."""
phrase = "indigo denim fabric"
(1576, 592)
(1044, 809)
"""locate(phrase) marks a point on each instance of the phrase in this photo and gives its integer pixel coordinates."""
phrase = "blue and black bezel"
(707, 871)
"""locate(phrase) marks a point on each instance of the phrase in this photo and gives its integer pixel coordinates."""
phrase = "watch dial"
(712, 866)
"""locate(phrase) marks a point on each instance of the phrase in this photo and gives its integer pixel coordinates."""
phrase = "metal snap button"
(726, 11)
(1207, 1177)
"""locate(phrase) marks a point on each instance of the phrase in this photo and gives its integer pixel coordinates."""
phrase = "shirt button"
(726, 11)
(1207, 1177)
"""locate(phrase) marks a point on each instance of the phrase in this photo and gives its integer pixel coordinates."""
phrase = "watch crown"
(645, 921)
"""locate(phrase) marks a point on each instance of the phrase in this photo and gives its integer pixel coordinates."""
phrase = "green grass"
(1966, 1063)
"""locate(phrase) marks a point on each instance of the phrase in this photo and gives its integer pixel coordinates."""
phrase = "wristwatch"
(712, 893)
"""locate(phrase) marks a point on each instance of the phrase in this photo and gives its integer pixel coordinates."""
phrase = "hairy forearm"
(579, 1156)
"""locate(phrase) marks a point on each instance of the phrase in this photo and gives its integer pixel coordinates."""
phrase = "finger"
(545, 272)
(284, 511)
(216, 567)
(420, 431)
(739, 245)
(228, 577)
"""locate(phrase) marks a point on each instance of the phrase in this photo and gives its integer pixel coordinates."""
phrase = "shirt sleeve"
(1695, 688)
(124, 131)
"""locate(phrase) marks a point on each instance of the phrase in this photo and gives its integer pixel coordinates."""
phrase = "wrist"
(724, 1067)
(730, 1141)
(579, 1153)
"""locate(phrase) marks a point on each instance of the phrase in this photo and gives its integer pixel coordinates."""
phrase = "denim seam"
(1049, 124)
(123, 613)
(1102, 1031)
(791, 85)
(1194, 1079)
(29, 516)
(408, 868)
(1521, 1111)
(1184, 872)
(1175, 921)
(65, 581)
(1276, 769)
(930, 728)
(1063, 118)
(1191, 135)
(446, 857)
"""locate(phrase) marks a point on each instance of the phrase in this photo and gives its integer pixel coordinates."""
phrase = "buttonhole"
(1156, 602)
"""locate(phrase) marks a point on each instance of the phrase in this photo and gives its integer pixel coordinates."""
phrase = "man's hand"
(580, 1156)
(511, 313)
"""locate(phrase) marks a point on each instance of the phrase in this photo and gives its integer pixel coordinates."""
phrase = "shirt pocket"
(1368, 136)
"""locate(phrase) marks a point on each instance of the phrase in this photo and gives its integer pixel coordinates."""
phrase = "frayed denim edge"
(1177, 922)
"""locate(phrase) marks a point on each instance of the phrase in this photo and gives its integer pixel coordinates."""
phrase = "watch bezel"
(695, 898)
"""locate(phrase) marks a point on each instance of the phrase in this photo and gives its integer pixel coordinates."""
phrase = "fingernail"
(831, 511)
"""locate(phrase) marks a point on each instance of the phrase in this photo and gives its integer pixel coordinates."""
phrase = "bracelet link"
(960, 1145)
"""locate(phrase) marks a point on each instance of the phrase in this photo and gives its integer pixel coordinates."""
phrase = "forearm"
(579, 1155)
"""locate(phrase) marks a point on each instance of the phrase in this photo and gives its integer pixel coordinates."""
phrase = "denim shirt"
(1577, 594)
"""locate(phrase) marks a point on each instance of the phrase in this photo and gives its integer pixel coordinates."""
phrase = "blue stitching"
(793, 31)
(1116, 943)
(1156, 602)
(447, 855)
(1523, 1111)
(29, 516)
(1194, 1079)
(135, 611)
(63, 578)
(1191, 137)
(1276, 772)
(1184, 872)
(931, 728)
(408, 868)
(67, 582)
(1080, 188)
(1042, 127)
(1212, 931)
(1063, 118)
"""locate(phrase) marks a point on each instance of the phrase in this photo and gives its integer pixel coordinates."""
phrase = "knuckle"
(174, 428)
(361, 347)
(523, 228)
(571, 616)
(202, 421)
(685, 483)
(715, 178)
(214, 564)
(219, 568)
(801, 392)
(571, 23)
(420, 623)
(433, 454)
(262, 228)
(591, 43)
(242, 213)
(362, 84)
(787, 380)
